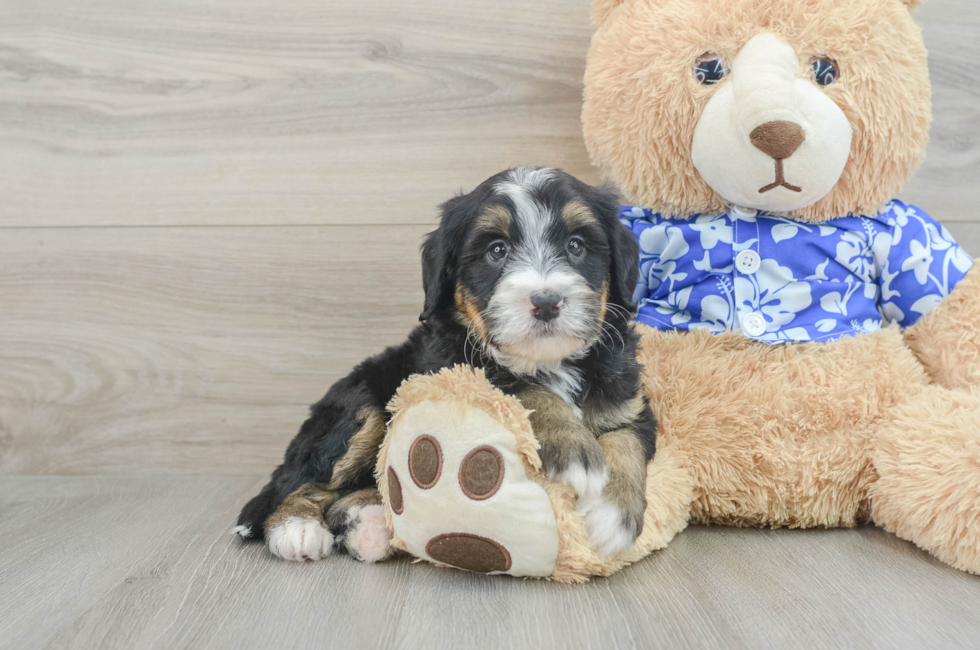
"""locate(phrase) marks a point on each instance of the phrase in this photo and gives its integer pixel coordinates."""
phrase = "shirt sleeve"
(919, 264)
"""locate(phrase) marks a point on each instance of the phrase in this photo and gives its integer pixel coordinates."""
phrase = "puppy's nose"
(778, 139)
(547, 304)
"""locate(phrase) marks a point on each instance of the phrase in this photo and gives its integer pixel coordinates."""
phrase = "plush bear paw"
(460, 494)
(299, 539)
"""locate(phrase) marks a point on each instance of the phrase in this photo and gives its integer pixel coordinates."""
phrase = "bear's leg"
(357, 522)
(928, 463)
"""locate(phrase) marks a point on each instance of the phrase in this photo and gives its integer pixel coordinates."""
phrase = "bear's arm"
(930, 287)
(947, 339)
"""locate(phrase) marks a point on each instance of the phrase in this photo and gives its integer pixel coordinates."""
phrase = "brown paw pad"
(481, 473)
(395, 492)
(425, 461)
(470, 552)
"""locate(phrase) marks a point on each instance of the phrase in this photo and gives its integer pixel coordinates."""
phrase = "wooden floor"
(210, 210)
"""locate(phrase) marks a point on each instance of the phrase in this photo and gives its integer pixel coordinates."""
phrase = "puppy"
(530, 277)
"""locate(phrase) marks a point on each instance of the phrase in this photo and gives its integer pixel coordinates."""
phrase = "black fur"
(451, 255)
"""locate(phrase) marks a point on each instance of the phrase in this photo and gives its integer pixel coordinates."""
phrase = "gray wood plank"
(304, 111)
(301, 111)
(89, 562)
(947, 185)
(192, 350)
(139, 351)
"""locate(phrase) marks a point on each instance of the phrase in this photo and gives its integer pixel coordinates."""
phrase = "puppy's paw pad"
(610, 531)
(587, 483)
(299, 539)
(368, 539)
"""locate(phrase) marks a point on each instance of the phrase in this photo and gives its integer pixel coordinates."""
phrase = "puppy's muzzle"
(546, 305)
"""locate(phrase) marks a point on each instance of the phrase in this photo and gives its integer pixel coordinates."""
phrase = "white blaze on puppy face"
(768, 85)
(538, 265)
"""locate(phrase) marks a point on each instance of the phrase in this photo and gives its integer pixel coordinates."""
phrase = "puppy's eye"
(709, 69)
(576, 246)
(825, 71)
(497, 251)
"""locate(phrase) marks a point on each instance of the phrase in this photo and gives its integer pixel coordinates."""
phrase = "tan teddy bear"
(696, 108)
(811, 345)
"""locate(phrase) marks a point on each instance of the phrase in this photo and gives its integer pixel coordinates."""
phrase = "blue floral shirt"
(774, 279)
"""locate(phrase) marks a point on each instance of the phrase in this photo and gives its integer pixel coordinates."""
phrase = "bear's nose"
(778, 139)
(546, 305)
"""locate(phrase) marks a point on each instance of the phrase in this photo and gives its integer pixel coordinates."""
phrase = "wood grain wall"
(210, 211)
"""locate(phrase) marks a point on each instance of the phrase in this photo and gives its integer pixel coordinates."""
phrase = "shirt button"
(754, 324)
(748, 261)
(739, 211)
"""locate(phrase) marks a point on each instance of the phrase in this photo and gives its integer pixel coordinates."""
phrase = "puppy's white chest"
(567, 384)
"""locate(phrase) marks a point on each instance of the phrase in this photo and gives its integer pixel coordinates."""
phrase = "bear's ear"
(602, 8)
(911, 4)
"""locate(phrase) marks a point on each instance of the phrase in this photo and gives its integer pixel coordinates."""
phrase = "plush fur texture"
(669, 488)
(881, 427)
(947, 340)
(777, 435)
(642, 102)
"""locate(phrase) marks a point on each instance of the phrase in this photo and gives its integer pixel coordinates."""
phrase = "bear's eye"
(824, 70)
(709, 69)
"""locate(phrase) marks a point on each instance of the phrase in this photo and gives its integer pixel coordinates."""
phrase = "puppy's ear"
(625, 265)
(439, 256)
(433, 266)
(624, 252)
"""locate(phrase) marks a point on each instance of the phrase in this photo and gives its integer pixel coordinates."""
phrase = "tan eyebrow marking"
(577, 215)
(495, 217)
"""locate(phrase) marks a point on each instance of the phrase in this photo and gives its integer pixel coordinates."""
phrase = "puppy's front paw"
(580, 465)
(610, 529)
(299, 538)
(367, 538)
(615, 519)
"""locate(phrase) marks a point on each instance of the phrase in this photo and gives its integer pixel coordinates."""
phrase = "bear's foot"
(928, 485)
(460, 494)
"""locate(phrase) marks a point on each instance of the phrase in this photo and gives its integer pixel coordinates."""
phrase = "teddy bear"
(810, 344)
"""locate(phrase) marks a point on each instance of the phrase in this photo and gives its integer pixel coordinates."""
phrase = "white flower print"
(717, 312)
(789, 334)
(676, 306)
(926, 304)
(826, 324)
(835, 303)
(881, 245)
(774, 292)
(813, 282)
(783, 231)
(713, 229)
(887, 293)
(853, 254)
(664, 245)
(704, 264)
(919, 261)
(867, 326)
(892, 312)
(899, 219)
(821, 272)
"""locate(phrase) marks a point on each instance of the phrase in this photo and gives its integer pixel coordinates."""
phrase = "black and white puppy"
(530, 277)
